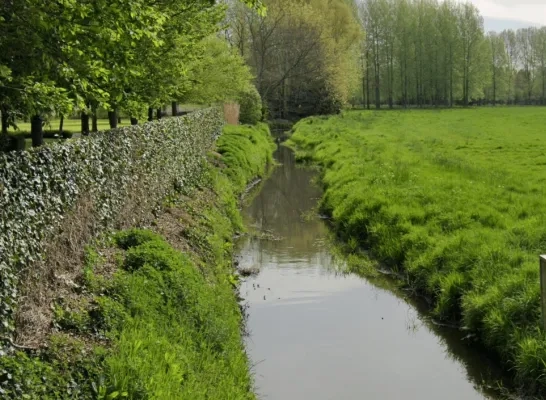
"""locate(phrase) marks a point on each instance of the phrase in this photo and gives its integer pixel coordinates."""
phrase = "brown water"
(318, 333)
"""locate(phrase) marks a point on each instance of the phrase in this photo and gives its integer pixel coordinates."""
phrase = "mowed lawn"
(72, 125)
(456, 201)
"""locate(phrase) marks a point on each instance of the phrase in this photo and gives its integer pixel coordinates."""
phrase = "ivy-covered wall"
(121, 173)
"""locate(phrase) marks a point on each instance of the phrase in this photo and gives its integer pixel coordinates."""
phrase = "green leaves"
(219, 75)
(258, 5)
(114, 170)
(59, 56)
(302, 53)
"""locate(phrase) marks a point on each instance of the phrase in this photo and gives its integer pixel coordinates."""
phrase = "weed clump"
(135, 237)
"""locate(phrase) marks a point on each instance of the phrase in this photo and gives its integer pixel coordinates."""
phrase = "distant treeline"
(426, 52)
(303, 54)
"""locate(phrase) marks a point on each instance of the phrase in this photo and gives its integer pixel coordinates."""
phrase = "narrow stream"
(318, 333)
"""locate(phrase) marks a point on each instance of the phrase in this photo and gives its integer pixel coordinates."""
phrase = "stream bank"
(153, 312)
(318, 332)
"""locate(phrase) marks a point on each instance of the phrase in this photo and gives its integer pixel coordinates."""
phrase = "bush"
(12, 143)
(48, 134)
(123, 173)
(157, 254)
(134, 238)
(251, 106)
(180, 335)
(67, 134)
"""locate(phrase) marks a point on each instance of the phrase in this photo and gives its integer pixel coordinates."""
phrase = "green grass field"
(72, 125)
(456, 201)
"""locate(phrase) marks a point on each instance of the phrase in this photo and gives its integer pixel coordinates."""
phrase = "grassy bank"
(455, 201)
(154, 314)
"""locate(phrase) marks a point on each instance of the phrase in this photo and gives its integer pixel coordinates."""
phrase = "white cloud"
(531, 11)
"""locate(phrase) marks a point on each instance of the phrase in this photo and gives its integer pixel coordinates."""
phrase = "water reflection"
(317, 333)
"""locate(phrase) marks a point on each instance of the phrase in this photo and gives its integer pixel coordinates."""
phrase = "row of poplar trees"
(304, 54)
(58, 57)
(427, 52)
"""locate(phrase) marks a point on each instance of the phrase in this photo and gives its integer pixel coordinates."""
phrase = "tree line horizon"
(427, 52)
(317, 56)
(305, 57)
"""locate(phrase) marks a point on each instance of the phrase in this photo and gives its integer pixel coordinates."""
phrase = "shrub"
(157, 254)
(48, 134)
(251, 106)
(134, 238)
(180, 335)
(12, 143)
(123, 173)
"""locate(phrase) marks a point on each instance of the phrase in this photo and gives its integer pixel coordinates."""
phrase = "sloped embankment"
(154, 312)
(447, 200)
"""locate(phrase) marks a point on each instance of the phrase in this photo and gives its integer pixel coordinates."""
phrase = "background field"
(455, 199)
(72, 125)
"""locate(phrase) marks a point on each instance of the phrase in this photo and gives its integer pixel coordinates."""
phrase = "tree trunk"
(134, 121)
(4, 121)
(94, 123)
(417, 89)
(94, 119)
(406, 80)
(37, 131)
(367, 79)
(159, 113)
(61, 124)
(377, 94)
(284, 109)
(150, 114)
(85, 124)
(465, 94)
(377, 77)
(113, 119)
(391, 81)
(363, 90)
(451, 87)
(527, 75)
(543, 87)
(494, 87)
(174, 106)
(444, 94)
(403, 101)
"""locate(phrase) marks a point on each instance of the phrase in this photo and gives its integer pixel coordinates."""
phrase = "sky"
(514, 14)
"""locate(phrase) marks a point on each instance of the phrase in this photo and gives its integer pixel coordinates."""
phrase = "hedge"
(132, 168)
(251, 106)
